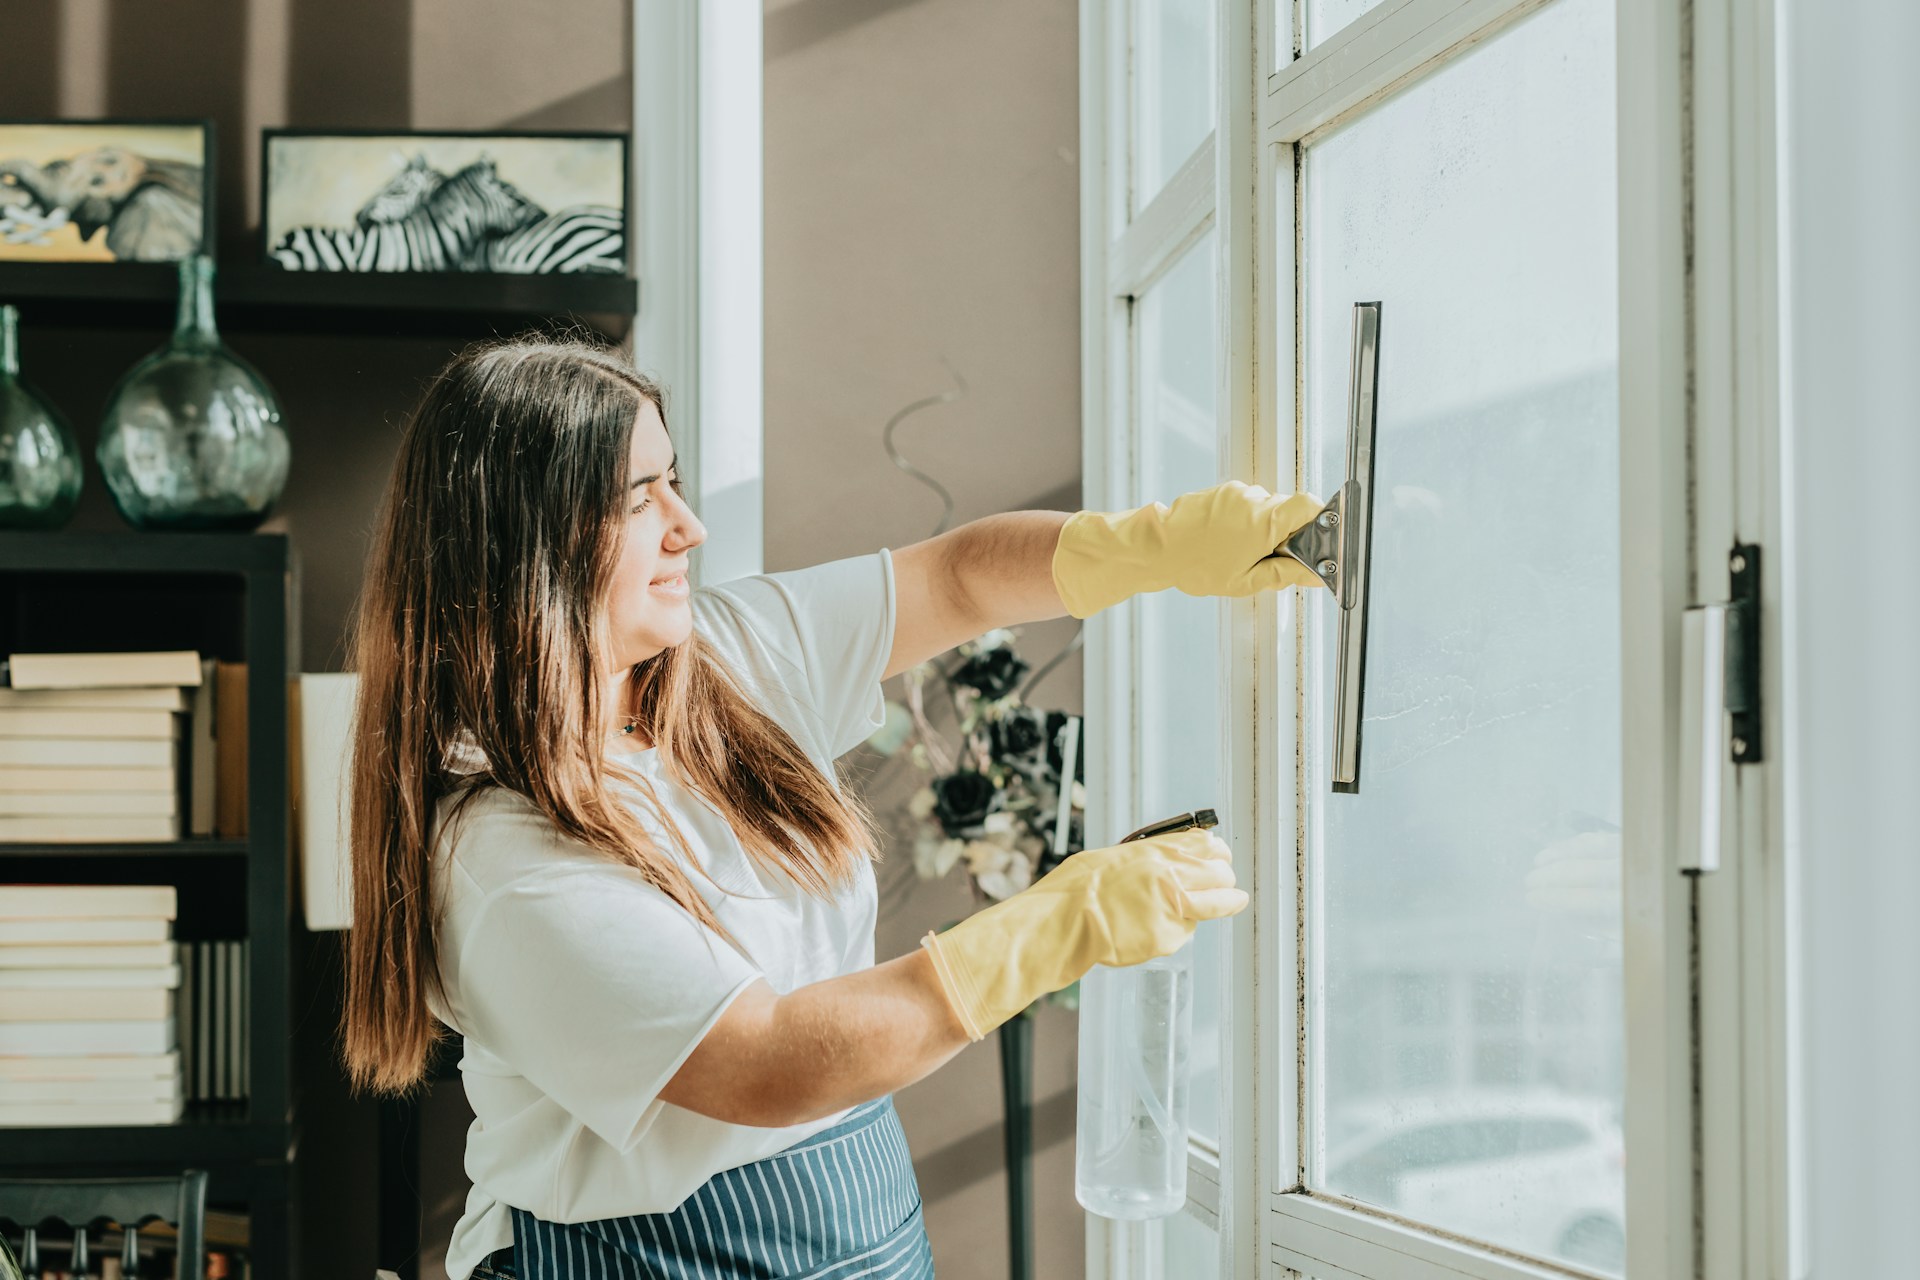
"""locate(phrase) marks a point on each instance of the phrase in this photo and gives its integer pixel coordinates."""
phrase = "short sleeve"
(594, 957)
(828, 629)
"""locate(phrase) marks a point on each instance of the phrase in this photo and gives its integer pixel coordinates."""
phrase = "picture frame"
(446, 201)
(106, 191)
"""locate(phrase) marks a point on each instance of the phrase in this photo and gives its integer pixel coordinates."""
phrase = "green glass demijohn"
(39, 458)
(192, 436)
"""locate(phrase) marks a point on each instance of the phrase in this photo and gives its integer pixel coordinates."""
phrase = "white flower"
(1079, 795)
(933, 857)
(998, 638)
(922, 803)
(1000, 828)
(1000, 870)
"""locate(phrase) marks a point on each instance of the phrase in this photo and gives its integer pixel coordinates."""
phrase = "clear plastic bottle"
(1135, 1026)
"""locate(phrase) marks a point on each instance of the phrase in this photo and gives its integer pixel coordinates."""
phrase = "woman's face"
(647, 608)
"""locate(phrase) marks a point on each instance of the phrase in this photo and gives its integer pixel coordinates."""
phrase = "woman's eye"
(643, 506)
(673, 478)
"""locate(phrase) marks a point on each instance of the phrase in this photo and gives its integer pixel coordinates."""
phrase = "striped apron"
(839, 1205)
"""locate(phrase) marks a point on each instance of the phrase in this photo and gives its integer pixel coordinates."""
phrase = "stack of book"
(87, 1024)
(94, 747)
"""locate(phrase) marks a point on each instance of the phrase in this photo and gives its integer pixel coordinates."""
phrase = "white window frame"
(1712, 333)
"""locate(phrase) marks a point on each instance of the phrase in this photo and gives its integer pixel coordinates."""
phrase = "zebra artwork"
(474, 220)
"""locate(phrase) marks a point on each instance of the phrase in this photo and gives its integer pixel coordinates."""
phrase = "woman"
(596, 832)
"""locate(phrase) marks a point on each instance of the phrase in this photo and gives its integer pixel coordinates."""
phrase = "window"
(1459, 1013)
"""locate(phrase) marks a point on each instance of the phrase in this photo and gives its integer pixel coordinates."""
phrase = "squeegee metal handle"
(1337, 544)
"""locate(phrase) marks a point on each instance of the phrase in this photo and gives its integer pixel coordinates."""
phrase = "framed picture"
(519, 203)
(105, 190)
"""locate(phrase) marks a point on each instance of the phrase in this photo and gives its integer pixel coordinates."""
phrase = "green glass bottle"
(39, 458)
(192, 436)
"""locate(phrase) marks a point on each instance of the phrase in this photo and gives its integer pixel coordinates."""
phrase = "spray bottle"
(1135, 1026)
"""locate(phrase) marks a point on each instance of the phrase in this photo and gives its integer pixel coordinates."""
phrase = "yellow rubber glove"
(1216, 542)
(1115, 906)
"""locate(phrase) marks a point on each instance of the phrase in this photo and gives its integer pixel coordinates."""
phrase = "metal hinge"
(1721, 717)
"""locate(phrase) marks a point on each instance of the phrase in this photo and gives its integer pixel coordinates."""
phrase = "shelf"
(200, 847)
(211, 1133)
(134, 551)
(261, 299)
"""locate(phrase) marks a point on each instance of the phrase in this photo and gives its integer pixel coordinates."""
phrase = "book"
(88, 722)
(83, 780)
(93, 1066)
(81, 829)
(230, 750)
(323, 709)
(201, 758)
(82, 1004)
(116, 956)
(89, 753)
(180, 668)
(60, 1038)
(156, 978)
(106, 1089)
(81, 804)
(67, 930)
(123, 699)
(91, 901)
(42, 1115)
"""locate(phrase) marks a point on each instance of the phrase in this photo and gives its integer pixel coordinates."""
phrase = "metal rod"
(1353, 570)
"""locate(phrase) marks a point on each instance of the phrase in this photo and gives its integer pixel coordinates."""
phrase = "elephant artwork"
(113, 201)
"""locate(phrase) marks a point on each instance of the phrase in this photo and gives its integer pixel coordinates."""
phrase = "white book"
(179, 668)
(322, 799)
(81, 829)
(88, 722)
(145, 1035)
(92, 1066)
(158, 978)
(129, 955)
(84, 1004)
(92, 753)
(81, 779)
(41, 1115)
(79, 804)
(72, 931)
(88, 901)
(156, 699)
(106, 1089)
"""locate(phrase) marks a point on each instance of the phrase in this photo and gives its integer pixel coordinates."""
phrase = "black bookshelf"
(226, 595)
(262, 299)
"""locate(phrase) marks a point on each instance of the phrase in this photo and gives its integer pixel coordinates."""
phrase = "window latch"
(1721, 720)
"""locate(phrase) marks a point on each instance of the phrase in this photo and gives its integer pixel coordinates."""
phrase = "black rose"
(962, 801)
(995, 672)
(1056, 721)
(1018, 736)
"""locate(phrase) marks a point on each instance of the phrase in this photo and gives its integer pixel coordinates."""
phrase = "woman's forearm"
(777, 1060)
(993, 572)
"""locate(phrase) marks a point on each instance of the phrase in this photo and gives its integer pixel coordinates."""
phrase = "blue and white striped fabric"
(839, 1206)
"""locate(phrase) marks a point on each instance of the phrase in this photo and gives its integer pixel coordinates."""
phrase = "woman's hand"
(1116, 906)
(1215, 542)
(775, 1060)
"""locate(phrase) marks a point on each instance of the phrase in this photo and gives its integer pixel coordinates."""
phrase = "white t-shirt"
(581, 989)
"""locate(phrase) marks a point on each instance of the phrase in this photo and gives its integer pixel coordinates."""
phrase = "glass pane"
(1178, 680)
(1326, 18)
(1189, 1249)
(1468, 899)
(1172, 89)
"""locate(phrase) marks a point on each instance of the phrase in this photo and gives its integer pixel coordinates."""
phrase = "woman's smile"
(673, 587)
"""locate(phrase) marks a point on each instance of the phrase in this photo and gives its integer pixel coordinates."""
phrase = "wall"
(921, 216)
(922, 222)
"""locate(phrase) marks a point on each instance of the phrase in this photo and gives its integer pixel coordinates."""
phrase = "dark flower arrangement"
(993, 799)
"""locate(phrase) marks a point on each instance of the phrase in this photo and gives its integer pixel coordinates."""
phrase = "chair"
(181, 1202)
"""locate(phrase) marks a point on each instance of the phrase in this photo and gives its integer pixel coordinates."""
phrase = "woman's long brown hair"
(478, 627)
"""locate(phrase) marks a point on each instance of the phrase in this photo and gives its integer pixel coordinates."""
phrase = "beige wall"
(922, 207)
(921, 195)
